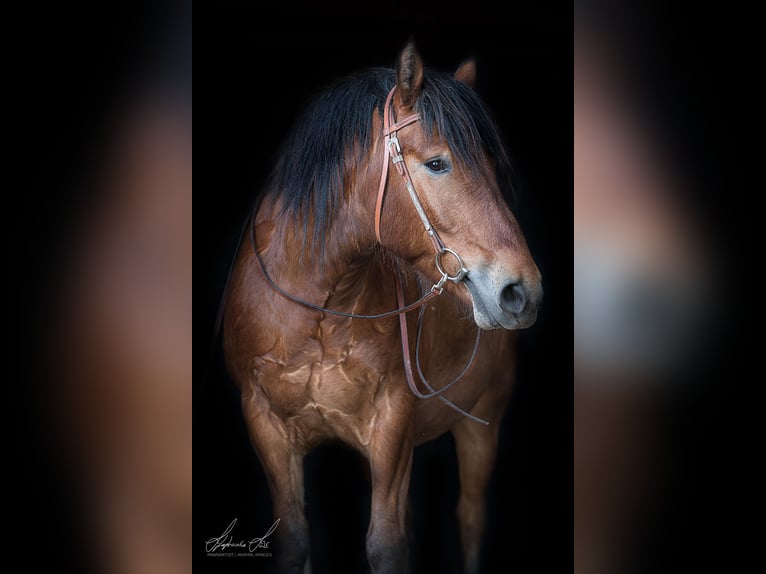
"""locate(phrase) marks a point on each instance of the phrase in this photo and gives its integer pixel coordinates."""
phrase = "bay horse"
(316, 329)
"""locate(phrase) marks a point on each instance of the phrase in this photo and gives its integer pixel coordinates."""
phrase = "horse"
(316, 325)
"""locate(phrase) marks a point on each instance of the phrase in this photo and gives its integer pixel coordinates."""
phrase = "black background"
(261, 83)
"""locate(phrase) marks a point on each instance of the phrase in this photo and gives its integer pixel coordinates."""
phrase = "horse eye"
(436, 165)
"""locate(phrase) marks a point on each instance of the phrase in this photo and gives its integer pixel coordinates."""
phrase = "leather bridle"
(392, 151)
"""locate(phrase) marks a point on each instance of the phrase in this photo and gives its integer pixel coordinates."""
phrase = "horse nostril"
(513, 298)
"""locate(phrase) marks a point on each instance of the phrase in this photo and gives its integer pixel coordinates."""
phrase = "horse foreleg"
(476, 451)
(282, 462)
(390, 455)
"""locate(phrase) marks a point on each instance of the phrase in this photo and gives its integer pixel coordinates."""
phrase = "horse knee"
(471, 513)
(388, 553)
(293, 550)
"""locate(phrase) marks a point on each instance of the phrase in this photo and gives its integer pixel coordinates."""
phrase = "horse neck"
(347, 251)
(349, 244)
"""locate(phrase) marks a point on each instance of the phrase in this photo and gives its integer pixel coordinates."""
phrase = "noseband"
(393, 151)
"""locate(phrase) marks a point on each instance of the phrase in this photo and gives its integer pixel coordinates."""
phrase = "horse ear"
(466, 73)
(409, 75)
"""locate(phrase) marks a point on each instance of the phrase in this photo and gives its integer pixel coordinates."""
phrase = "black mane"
(334, 132)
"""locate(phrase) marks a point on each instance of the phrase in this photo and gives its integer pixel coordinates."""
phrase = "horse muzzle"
(501, 301)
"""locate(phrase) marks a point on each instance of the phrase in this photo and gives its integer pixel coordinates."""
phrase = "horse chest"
(326, 385)
(331, 384)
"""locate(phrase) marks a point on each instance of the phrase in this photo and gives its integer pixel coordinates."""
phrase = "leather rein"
(392, 151)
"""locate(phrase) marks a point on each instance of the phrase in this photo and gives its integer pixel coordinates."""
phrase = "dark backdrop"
(263, 71)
